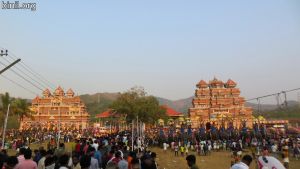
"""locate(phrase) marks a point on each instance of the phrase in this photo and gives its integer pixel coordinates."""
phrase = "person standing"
(182, 150)
(60, 151)
(95, 144)
(135, 164)
(165, 146)
(98, 156)
(297, 151)
(176, 148)
(123, 164)
(285, 156)
(11, 162)
(85, 162)
(244, 164)
(63, 161)
(94, 161)
(186, 150)
(191, 161)
(76, 162)
(28, 163)
(153, 155)
(41, 162)
(21, 155)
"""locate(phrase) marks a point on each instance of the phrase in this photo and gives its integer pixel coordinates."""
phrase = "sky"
(164, 46)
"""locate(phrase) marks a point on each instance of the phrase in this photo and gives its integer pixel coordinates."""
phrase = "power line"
(23, 77)
(30, 91)
(34, 73)
(31, 71)
(275, 94)
(44, 86)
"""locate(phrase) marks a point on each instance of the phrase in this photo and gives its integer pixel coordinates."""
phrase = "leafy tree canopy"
(18, 107)
(136, 103)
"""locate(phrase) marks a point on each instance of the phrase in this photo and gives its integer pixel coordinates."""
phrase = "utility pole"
(137, 132)
(5, 53)
(59, 126)
(4, 129)
(132, 134)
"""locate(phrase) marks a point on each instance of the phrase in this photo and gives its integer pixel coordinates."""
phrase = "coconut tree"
(21, 109)
(5, 101)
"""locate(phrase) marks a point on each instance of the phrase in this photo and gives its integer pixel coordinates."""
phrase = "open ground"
(167, 160)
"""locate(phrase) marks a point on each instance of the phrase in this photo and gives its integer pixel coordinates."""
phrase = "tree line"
(136, 103)
(18, 107)
(129, 105)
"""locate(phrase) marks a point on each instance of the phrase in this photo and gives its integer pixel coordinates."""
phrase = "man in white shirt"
(244, 164)
(165, 146)
(95, 145)
(41, 163)
(274, 148)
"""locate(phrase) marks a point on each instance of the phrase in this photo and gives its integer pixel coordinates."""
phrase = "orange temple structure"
(58, 110)
(220, 104)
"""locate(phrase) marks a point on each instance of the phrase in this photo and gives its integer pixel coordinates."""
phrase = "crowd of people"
(119, 150)
(278, 147)
(108, 152)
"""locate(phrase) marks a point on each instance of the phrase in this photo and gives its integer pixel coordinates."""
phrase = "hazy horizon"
(164, 46)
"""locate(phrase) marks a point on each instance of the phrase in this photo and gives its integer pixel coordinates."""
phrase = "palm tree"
(5, 101)
(21, 109)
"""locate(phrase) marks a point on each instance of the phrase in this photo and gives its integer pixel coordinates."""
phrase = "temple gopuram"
(219, 104)
(58, 110)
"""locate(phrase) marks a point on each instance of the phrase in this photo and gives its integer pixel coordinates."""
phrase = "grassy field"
(217, 160)
(167, 160)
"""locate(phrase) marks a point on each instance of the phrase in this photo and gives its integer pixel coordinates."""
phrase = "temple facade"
(219, 104)
(57, 110)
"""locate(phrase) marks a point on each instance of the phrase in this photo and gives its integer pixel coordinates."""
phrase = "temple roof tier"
(59, 92)
(230, 84)
(70, 93)
(202, 84)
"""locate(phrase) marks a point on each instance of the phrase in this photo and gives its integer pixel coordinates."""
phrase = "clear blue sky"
(165, 46)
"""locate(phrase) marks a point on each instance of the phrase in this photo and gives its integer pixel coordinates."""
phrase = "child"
(234, 158)
(285, 156)
(165, 145)
(186, 150)
(182, 150)
(176, 149)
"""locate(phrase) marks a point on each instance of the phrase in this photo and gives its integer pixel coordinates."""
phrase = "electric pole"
(2, 53)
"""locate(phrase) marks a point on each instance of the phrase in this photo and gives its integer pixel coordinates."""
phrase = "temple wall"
(219, 103)
(57, 110)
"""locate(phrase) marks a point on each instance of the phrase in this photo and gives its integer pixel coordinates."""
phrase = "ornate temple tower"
(220, 104)
(51, 109)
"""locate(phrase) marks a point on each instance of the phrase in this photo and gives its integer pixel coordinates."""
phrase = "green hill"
(99, 102)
